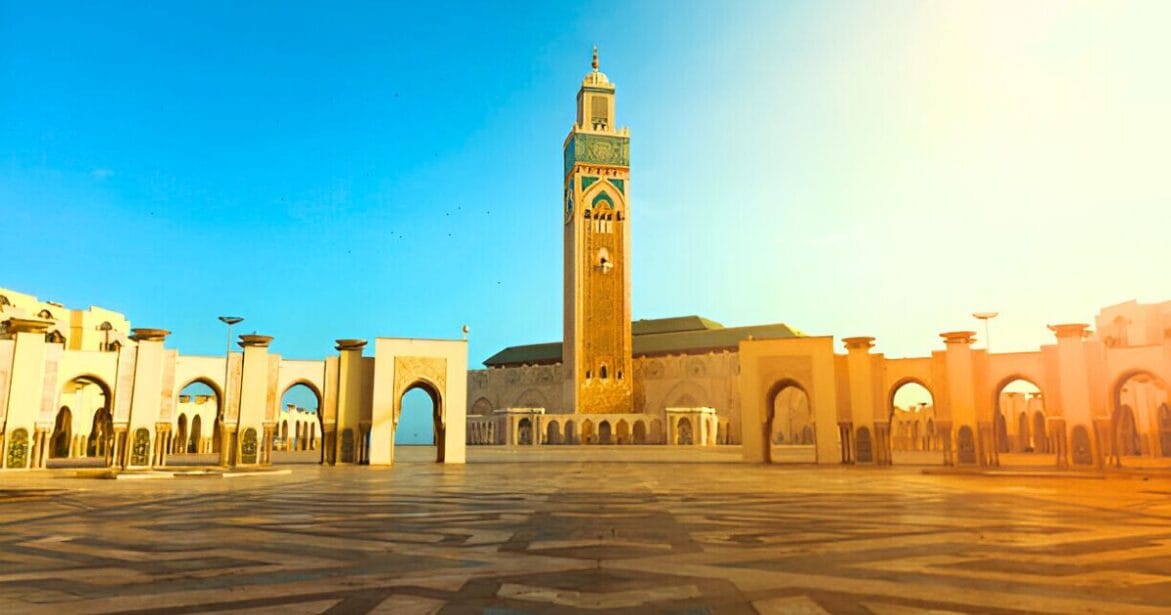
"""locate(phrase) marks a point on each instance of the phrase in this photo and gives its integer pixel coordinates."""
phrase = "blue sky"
(868, 168)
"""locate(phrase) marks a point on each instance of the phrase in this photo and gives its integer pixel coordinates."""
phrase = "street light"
(106, 327)
(227, 320)
(986, 316)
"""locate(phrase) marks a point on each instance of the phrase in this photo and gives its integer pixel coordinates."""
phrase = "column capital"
(350, 344)
(255, 341)
(149, 335)
(858, 343)
(1069, 330)
(28, 325)
(958, 337)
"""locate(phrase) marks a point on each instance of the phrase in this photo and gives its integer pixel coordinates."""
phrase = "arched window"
(588, 374)
(602, 372)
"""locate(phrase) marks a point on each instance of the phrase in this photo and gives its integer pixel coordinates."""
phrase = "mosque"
(84, 384)
(611, 381)
(691, 381)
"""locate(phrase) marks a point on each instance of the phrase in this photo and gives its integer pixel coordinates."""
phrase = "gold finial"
(595, 63)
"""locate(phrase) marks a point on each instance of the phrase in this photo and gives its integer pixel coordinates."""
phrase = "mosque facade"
(611, 380)
(1092, 398)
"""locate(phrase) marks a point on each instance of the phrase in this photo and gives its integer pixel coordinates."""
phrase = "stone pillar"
(846, 433)
(349, 407)
(26, 387)
(249, 425)
(864, 406)
(967, 438)
(1074, 405)
(162, 441)
(147, 394)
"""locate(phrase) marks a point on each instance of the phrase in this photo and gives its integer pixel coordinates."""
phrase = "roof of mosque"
(659, 336)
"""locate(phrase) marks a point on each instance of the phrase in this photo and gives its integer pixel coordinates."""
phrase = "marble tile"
(585, 530)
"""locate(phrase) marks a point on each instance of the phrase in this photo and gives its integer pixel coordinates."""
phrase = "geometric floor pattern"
(586, 532)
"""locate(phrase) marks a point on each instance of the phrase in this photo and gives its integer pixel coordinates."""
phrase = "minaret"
(597, 351)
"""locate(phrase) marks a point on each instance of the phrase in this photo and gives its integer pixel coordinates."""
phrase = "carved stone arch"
(686, 394)
(482, 406)
(531, 398)
(602, 194)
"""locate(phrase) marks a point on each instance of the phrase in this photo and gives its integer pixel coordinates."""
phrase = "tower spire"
(595, 62)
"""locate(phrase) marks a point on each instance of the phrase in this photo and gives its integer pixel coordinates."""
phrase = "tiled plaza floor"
(632, 530)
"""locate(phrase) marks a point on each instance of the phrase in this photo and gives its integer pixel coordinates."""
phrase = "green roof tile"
(679, 335)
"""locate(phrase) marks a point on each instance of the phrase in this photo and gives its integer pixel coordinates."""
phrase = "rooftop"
(659, 336)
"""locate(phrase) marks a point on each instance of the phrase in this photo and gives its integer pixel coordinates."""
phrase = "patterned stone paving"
(574, 531)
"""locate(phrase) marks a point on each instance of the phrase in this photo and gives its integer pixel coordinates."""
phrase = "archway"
(570, 433)
(1080, 451)
(84, 401)
(101, 435)
(62, 439)
(199, 402)
(911, 403)
(604, 434)
(864, 446)
(524, 431)
(965, 446)
(196, 435)
(587, 432)
(639, 432)
(622, 432)
(300, 404)
(419, 430)
(683, 431)
(790, 426)
(552, 433)
(1021, 435)
(1137, 424)
(179, 444)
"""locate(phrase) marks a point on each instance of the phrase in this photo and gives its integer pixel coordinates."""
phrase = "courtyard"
(587, 529)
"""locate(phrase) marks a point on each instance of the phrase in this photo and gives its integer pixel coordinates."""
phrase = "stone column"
(147, 394)
(961, 401)
(249, 425)
(26, 384)
(1074, 400)
(865, 408)
(162, 442)
(846, 433)
(349, 406)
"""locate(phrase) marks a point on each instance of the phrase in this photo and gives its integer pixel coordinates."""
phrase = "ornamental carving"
(140, 452)
(799, 369)
(18, 449)
(248, 446)
(696, 368)
(597, 149)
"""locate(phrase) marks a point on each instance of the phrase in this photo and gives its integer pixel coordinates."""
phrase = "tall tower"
(596, 352)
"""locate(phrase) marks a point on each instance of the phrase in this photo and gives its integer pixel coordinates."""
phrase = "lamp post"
(225, 454)
(105, 327)
(986, 316)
